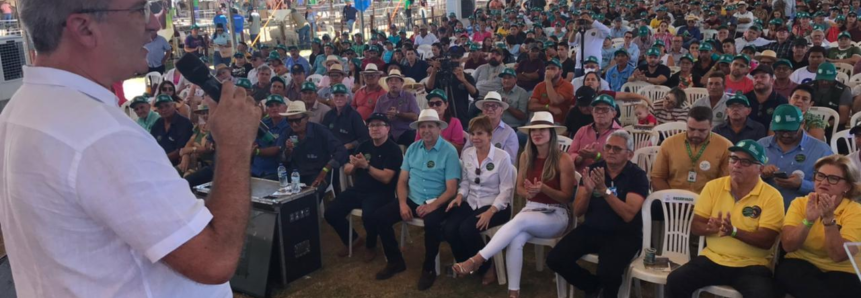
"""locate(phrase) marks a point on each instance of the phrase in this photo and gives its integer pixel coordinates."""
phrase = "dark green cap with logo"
(162, 98)
(275, 98)
(622, 51)
(274, 56)
(844, 34)
(309, 86)
(555, 62)
(643, 31)
(653, 52)
(605, 99)
(783, 62)
(507, 72)
(738, 97)
(826, 72)
(752, 148)
(688, 56)
(437, 93)
(743, 58)
(786, 118)
(138, 100)
(244, 83)
(726, 58)
(339, 89)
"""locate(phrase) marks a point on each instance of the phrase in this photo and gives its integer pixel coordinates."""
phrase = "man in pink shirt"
(588, 142)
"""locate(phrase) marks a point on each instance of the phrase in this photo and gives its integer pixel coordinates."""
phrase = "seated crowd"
(454, 142)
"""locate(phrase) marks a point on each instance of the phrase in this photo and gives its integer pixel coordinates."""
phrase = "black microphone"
(196, 72)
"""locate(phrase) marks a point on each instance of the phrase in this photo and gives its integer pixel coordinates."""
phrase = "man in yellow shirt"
(740, 217)
(690, 159)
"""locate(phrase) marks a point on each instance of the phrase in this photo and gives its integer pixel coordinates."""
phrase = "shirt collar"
(436, 146)
(753, 192)
(37, 75)
(801, 145)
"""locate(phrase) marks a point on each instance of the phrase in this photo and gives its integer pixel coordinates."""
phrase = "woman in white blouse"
(483, 197)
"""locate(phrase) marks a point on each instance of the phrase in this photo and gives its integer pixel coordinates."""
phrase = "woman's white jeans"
(523, 227)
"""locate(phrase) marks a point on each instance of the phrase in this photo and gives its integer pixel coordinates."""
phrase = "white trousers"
(523, 227)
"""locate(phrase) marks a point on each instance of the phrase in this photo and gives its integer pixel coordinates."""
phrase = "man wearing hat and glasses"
(316, 153)
(426, 183)
(294, 86)
(173, 130)
(588, 142)
(401, 108)
(738, 126)
(791, 151)
(502, 136)
(344, 122)
(516, 97)
(264, 163)
(316, 110)
(367, 96)
(740, 217)
(336, 75)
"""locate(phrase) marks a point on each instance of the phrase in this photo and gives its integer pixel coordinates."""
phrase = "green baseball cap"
(622, 51)
(705, 47)
(549, 44)
(138, 100)
(605, 99)
(162, 98)
(474, 47)
(339, 89)
(738, 97)
(555, 62)
(726, 58)
(818, 27)
(309, 86)
(244, 83)
(437, 93)
(777, 22)
(281, 47)
(844, 34)
(786, 118)
(274, 56)
(783, 62)
(507, 72)
(195, 26)
(275, 98)
(592, 59)
(238, 55)
(826, 72)
(752, 148)
(688, 56)
(660, 43)
(653, 52)
(643, 31)
(279, 79)
(743, 58)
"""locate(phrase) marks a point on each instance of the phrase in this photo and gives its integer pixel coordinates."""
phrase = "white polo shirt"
(89, 203)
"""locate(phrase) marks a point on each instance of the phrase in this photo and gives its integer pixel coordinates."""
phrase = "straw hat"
(295, 108)
(332, 59)
(409, 83)
(394, 74)
(336, 68)
(429, 115)
(542, 120)
(491, 96)
(371, 69)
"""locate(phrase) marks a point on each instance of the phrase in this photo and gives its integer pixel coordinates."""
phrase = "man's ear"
(81, 28)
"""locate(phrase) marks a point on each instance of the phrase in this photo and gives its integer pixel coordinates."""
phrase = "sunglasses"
(477, 173)
(613, 149)
(295, 120)
(437, 103)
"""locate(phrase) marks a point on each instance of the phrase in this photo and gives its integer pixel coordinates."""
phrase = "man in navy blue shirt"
(349, 14)
(343, 121)
(173, 130)
(314, 151)
(264, 164)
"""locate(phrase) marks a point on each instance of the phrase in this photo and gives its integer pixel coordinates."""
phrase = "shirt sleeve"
(574, 149)
(705, 203)
(846, 97)
(506, 184)
(512, 145)
(640, 184)
(336, 149)
(796, 212)
(184, 133)
(851, 223)
(138, 188)
(452, 165)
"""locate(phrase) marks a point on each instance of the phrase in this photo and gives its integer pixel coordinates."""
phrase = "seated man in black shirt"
(610, 195)
(375, 167)
(581, 114)
(173, 130)
(653, 72)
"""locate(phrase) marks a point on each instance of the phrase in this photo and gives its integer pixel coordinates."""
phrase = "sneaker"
(391, 269)
(426, 280)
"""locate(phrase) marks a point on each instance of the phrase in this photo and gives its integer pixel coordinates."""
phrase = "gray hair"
(623, 134)
(263, 67)
(45, 20)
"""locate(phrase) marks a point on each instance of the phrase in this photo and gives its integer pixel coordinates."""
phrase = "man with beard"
(706, 158)
(476, 57)
(763, 100)
(830, 93)
(553, 94)
(738, 126)
(716, 101)
(653, 72)
(530, 71)
(705, 60)
(737, 79)
(793, 152)
(487, 76)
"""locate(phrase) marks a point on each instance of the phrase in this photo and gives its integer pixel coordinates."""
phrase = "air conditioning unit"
(12, 59)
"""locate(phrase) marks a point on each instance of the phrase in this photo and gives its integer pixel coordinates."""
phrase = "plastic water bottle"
(282, 177)
(295, 179)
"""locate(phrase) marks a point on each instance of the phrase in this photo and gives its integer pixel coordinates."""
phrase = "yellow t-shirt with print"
(502, 31)
(848, 216)
(762, 208)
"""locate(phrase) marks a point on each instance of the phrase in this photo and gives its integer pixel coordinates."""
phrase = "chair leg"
(350, 238)
(660, 290)
(499, 263)
(539, 258)
(570, 291)
(403, 234)
(561, 287)
(437, 265)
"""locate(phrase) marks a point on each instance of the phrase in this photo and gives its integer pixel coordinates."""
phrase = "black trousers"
(390, 214)
(615, 252)
(462, 235)
(159, 69)
(750, 281)
(801, 279)
(336, 214)
(201, 176)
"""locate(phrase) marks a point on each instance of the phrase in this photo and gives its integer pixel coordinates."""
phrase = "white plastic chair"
(642, 137)
(315, 78)
(855, 120)
(855, 80)
(425, 51)
(666, 130)
(856, 90)
(846, 68)
(628, 109)
(831, 117)
(634, 87)
(564, 143)
(469, 71)
(499, 258)
(418, 222)
(540, 243)
(654, 92)
(510, 65)
(153, 79)
(678, 209)
(645, 157)
(846, 138)
(842, 77)
(695, 93)
(127, 109)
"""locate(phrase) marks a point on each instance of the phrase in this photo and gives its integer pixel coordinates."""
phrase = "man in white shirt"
(804, 75)
(91, 206)
(425, 38)
(595, 34)
(855, 132)
(750, 37)
(745, 18)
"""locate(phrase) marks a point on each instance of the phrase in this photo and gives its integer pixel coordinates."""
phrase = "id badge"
(692, 176)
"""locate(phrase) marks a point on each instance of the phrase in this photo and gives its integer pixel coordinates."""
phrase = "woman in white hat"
(546, 179)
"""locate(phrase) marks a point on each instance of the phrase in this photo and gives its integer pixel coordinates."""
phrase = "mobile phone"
(781, 175)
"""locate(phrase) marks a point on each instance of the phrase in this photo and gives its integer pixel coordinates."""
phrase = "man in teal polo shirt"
(146, 116)
(428, 180)
(264, 163)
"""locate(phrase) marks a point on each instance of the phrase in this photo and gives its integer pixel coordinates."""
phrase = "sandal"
(460, 269)
(514, 294)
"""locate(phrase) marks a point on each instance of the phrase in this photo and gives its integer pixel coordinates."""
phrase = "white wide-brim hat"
(428, 115)
(491, 97)
(542, 120)
(295, 108)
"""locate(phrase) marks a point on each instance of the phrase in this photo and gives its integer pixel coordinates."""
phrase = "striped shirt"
(663, 115)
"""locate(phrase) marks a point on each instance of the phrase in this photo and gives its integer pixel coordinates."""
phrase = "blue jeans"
(350, 25)
(304, 35)
(217, 59)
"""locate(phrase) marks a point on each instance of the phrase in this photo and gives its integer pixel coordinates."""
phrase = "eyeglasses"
(166, 89)
(744, 162)
(601, 110)
(491, 106)
(295, 120)
(377, 125)
(832, 179)
(150, 8)
(613, 149)
(477, 173)
(437, 103)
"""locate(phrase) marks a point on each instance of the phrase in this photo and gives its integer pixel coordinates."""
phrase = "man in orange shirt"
(366, 97)
(737, 79)
(556, 100)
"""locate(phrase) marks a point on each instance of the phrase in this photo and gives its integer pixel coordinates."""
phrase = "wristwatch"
(607, 192)
(828, 224)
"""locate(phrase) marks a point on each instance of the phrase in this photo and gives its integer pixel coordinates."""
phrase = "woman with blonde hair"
(814, 231)
(546, 180)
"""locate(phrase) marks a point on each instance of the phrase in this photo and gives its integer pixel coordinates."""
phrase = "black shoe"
(426, 280)
(391, 269)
